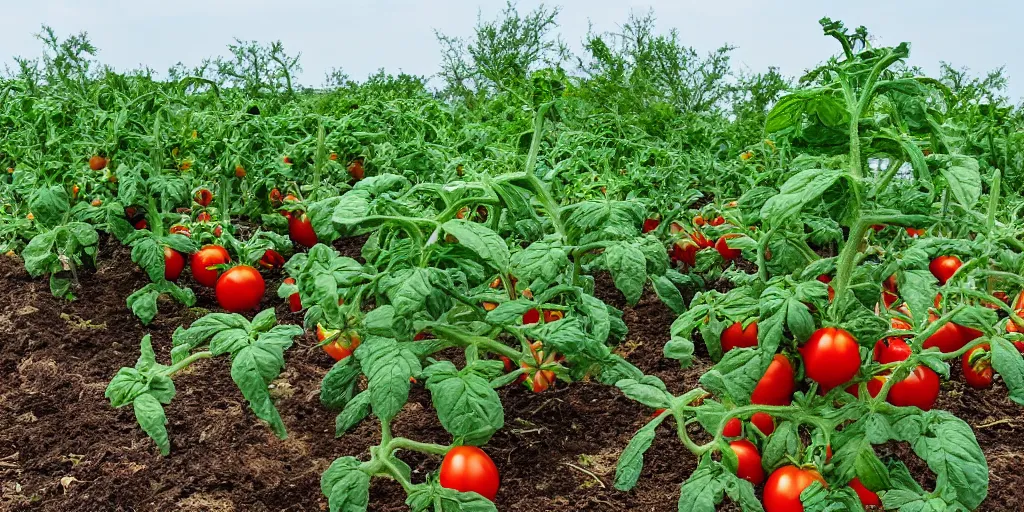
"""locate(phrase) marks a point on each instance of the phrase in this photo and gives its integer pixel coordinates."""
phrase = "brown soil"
(63, 448)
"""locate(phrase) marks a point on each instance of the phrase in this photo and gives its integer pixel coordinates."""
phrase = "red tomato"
(178, 229)
(338, 348)
(892, 350)
(355, 169)
(203, 197)
(702, 241)
(203, 217)
(944, 267)
(718, 221)
(831, 357)
(294, 301)
(97, 163)
(968, 334)
(240, 289)
(699, 221)
(531, 316)
(877, 227)
(825, 278)
(469, 469)
(300, 230)
(650, 225)
(782, 491)
(977, 367)
(733, 428)
(1012, 327)
(275, 197)
(142, 224)
(867, 498)
(208, 256)
(948, 338)
(920, 389)
(764, 422)
(686, 252)
(735, 336)
(915, 233)
(287, 160)
(553, 315)
(174, 263)
(889, 293)
(749, 467)
(722, 246)
(239, 171)
(271, 259)
(874, 387)
(777, 385)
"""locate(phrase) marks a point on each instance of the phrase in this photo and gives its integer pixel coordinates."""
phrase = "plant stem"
(181, 365)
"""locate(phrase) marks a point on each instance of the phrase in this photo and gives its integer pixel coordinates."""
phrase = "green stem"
(894, 167)
(847, 260)
(401, 443)
(181, 365)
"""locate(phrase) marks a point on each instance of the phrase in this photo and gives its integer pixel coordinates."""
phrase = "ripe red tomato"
(735, 336)
(722, 246)
(877, 227)
(777, 385)
(915, 233)
(686, 252)
(702, 241)
(178, 229)
(782, 491)
(240, 289)
(944, 267)
(203, 217)
(553, 315)
(831, 357)
(174, 263)
(948, 338)
(891, 350)
(97, 163)
(977, 367)
(142, 224)
(208, 256)
(764, 422)
(294, 301)
(650, 225)
(469, 469)
(287, 160)
(531, 316)
(203, 197)
(968, 334)
(699, 221)
(874, 386)
(733, 428)
(749, 467)
(271, 259)
(239, 171)
(889, 292)
(300, 230)
(1012, 327)
(867, 498)
(920, 389)
(338, 348)
(355, 169)
(718, 221)
(275, 197)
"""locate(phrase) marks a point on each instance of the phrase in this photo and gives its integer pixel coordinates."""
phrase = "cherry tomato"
(782, 491)
(240, 289)
(333, 157)
(831, 357)
(271, 259)
(553, 315)
(949, 337)
(294, 301)
(142, 224)
(749, 467)
(733, 428)
(825, 278)
(275, 197)
(891, 350)
(722, 246)
(469, 469)
(355, 169)
(239, 171)
(764, 422)
(867, 498)
(287, 160)
(920, 389)
(777, 385)
(97, 163)
(203, 197)
(174, 263)
(915, 233)
(207, 257)
(338, 348)
(300, 230)
(977, 367)
(735, 336)
(699, 221)
(203, 217)
(531, 316)
(650, 225)
(944, 267)
(718, 221)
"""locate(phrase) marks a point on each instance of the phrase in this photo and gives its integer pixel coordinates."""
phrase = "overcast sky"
(398, 35)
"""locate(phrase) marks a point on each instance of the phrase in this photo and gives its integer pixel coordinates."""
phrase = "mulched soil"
(63, 448)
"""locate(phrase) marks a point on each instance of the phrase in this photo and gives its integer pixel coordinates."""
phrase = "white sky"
(398, 35)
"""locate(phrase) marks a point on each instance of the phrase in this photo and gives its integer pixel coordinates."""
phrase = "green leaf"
(704, 489)
(467, 407)
(354, 412)
(339, 384)
(952, 453)
(346, 486)
(255, 366)
(631, 462)
(798, 191)
(150, 415)
(649, 391)
(487, 244)
(510, 312)
(387, 366)
(544, 259)
(737, 374)
(964, 180)
(49, 205)
(787, 112)
(1007, 361)
(669, 294)
(407, 290)
(628, 268)
(39, 255)
(142, 303)
(354, 205)
(126, 385)
(784, 441)
(149, 255)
